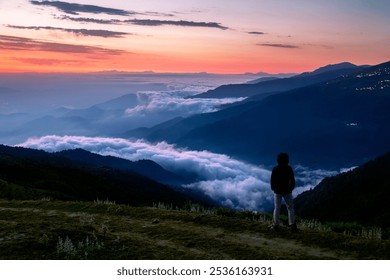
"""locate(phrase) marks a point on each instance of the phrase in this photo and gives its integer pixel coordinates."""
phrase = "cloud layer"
(233, 183)
(75, 9)
(83, 32)
(148, 22)
(152, 22)
(283, 46)
(175, 102)
(22, 43)
(256, 33)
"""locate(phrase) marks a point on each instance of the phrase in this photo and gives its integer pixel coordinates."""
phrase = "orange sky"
(191, 36)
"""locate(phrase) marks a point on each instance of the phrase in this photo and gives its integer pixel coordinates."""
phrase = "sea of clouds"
(94, 104)
(157, 98)
(233, 183)
(175, 102)
(155, 107)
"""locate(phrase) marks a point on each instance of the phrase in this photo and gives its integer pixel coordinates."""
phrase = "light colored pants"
(288, 199)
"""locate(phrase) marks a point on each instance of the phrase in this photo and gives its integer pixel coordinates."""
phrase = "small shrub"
(253, 216)
(197, 208)
(67, 250)
(313, 225)
(104, 202)
(163, 206)
(371, 233)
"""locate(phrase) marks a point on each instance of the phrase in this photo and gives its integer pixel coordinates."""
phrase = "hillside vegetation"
(360, 195)
(33, 174)
(43, 229)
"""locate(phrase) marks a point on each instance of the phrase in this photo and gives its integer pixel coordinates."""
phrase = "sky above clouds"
(215, 36)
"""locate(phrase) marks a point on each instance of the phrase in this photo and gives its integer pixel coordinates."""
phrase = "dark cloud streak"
(148, 22)
(283, 46)
(92, 20)
(76, 9)
(43, 61)
(27, 44)
(152, 22)
(83, 32)
(157, 14)
(256, 33)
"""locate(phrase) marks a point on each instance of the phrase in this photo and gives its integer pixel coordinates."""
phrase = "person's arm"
(292, 179)
(273, 180)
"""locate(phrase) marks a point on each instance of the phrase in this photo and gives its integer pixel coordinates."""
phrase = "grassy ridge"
(28, 177)
(44, 229)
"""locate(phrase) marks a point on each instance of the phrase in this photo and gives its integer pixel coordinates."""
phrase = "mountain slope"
(146, 168)
(266, 87)
(360, 195)
(31, 174)
(338, 123)
(330, 67)
(174, 129)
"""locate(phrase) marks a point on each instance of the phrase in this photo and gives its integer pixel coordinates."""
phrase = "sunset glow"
(191, 36)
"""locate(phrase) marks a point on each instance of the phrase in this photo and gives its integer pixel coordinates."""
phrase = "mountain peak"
(330, 67)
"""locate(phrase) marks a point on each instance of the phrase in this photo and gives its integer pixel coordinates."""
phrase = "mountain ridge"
(337, 120)
(306, 79)
(147, 168)
(331, 67)
(51, 174)
(359, 195)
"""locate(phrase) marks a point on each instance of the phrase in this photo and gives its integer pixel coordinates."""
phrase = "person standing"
(282, 184)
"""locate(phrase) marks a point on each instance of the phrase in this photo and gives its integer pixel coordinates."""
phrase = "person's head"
(283, 159)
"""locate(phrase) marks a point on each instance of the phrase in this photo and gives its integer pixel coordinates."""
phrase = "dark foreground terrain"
(44, 229)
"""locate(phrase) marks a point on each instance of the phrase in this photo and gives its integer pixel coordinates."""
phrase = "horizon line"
(153, 72)
(146, 72)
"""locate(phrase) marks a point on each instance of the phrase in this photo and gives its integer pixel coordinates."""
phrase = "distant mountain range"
(342, 121)
(276, 85)
(81, 175)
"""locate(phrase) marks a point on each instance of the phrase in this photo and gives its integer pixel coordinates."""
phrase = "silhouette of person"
(282, 184)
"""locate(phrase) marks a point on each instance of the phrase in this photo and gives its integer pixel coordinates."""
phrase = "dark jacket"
(282, 179)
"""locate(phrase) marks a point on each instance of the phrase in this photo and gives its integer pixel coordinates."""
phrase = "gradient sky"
(217, 36)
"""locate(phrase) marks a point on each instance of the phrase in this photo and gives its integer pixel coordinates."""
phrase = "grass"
(50, 229)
